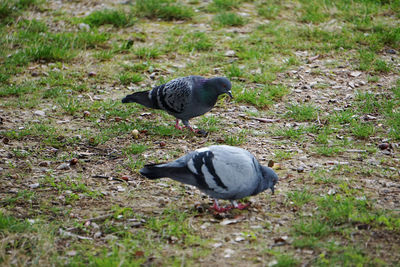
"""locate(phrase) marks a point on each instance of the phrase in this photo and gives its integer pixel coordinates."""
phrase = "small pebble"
(63, 166)
(44, 164)
(33, 186)
(73, 161)
(135, 134)
(383, 146)
(39, 113)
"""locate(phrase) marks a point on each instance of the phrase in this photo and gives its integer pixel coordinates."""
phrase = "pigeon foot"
(191, 129)
(242, 206)
(219, 209)
(177, 126)
(239, 206)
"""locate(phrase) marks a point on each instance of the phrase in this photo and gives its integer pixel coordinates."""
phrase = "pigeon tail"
(139, 97)
(153, 171)
(173, 170)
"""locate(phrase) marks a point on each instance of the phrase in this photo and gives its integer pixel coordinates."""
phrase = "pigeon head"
(220, 85)
(270, 178)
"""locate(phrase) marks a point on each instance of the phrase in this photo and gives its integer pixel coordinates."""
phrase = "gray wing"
(174, 96)
(224, 172)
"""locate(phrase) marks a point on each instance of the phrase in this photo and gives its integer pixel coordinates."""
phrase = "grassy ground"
(317, 91)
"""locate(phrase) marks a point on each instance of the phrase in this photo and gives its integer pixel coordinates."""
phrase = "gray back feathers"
(223, 172)
(174, 96)
(185, 97)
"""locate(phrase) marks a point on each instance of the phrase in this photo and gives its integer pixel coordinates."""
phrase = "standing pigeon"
(222, 172)
(184, 98)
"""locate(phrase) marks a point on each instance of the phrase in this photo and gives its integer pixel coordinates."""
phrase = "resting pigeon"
(222, 172)
(184, 98)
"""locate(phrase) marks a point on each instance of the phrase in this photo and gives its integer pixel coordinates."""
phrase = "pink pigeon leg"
(187, 125)
(191, 129)
(239, 206)
(217, 208)
(177, 125)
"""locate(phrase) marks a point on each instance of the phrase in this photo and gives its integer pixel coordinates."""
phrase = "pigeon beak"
(273, 190)
(230, 94)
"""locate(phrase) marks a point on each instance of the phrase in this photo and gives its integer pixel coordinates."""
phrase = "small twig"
(264, 120)
(391, 192)
(310, 261)
(356, 150)
(99, 218)
(8, 192)
(69, 234)
(91, 99)
(109, 178)
(101, 176)
(319, 122)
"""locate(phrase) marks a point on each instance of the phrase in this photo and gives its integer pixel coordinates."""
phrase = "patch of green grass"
(268, 9)
(104, 55)
(32, 26)
(163, 9)
(87, 40)
(323, 136)
(342, 117)
(71, 105)
(172, 223)
(10, 224)
(362, 130)
(235, 140)
(50, 47)
(300, 198)
(282, 155)
(260, 96)
(48, 52)
(368, 61)
(135, 149)
(218, 5)
(259, 50)
(313, 12)
(128, 77)
(12, 8)
(197, 41)
(306, 242)
(381, 66)
(147, 52)
(229, 19)
(303, 112)
(393, 122)
(17, 90)
(233, 70)
(335, 212)
(4, 77)
(346, 256)
(312, 228)
(328, 151)
(23, 196)
(76, 185)
(138, 67)
(210, 123)
(284, 260)
(117, 18)
(291, 133)
(135, 164)
(44, 132)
